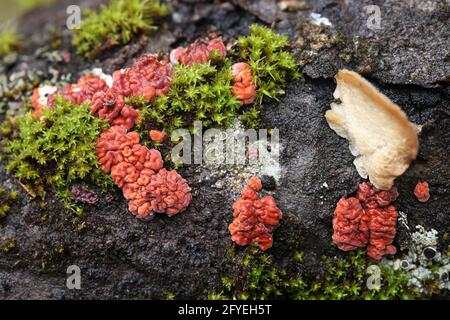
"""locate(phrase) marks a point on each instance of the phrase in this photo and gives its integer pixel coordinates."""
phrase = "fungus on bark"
(243, 86)
(368, 219)
(422, 191)
(138, 171)
(157, 136)
(254, 219)
(200, 51)
(350, 228)
(169, 192)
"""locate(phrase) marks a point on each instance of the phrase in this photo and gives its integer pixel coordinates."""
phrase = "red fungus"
(382, 226)
(157, 72)
(169, 192)
(349, 224)
(138, 171)
(84, 89)
(199, 51)
(422, 191)
(367, 219)
(157, 136)
(243, 86)
(41, 99)
(372, 197)
(254, 219)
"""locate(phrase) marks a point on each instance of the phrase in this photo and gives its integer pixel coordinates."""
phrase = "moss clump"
(10, 245)
(9, 41)
(271, 63)
(198, 92)
(346, 278)
(57, 150)
(6, 200)
(115, 24)
(256, 277)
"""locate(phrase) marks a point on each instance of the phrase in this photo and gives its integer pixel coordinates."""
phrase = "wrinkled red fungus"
(133, 167)
(199, 51)
(350, 229)
(157, 136)
(422, 191)
(254, 219)
(169, 192)
(147, 77)
(372, 197)
(157, 72)
(243, 86)
(382, 225)
(367, 219)
(138, 171)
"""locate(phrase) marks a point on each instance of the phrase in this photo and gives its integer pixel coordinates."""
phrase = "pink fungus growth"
(255, 219)
(369, 219)
(422, 191)
(200, 51)
(372, 197)
(138, 171)
(169, 192)
(157, 136)
(382, 225)
(350, 228)
(243, 86)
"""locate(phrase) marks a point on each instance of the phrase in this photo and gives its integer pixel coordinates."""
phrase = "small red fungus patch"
(254, 219)
(200, 51)
(139, 172)
(243, 86)
(422, 191)
(157, 136)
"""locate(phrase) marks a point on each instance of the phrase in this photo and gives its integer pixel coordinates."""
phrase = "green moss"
(170, 296)
(198, 92)
(115, 24)
(57, 150)
(203, 91)
(271, 63)
(6, 201)
(9, 41)
(10, 245)
(257, 277)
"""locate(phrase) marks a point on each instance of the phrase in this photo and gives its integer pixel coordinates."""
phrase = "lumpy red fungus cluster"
(254, 218)
(200, 51)
(243, 86)
(422, 191)
(148, 77)
(367, 219)
(139, 171)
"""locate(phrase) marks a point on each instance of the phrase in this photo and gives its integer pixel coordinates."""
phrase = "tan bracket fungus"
(380, 135)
